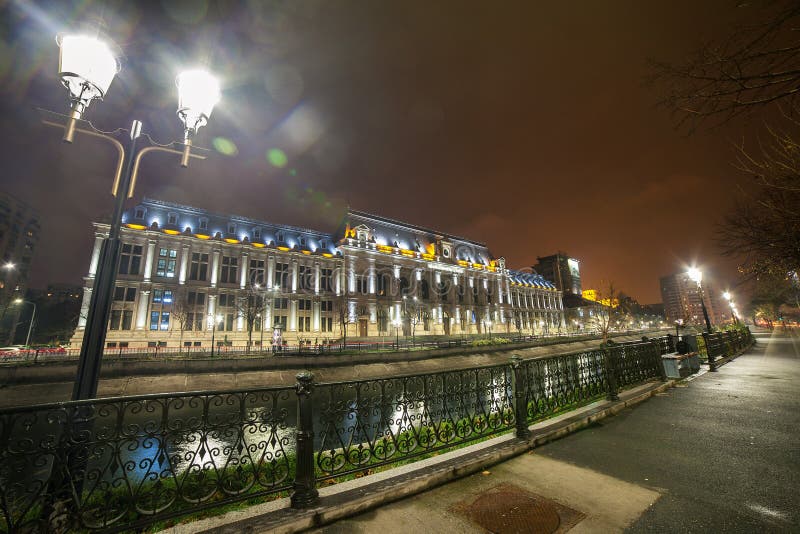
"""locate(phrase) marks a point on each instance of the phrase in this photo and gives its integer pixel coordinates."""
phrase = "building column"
(141, 309)
(98, 242)
(315, 316)
(270, 271)
(148, 259)
(295, 274)
(371, 277)
(214, 267)
(292, 316)
(212, 311)
(184, 264)
(316, 277)
(87, 297)
(351, 274)
(245, 270)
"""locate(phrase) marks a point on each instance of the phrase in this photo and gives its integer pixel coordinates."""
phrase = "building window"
(162, 296)
(304, 305)
(305, 278)
(124, 294)
(139, 213)
(326, 324)
(199, 268)
(172, 219)
(231, 228)
(257, 271)
(302, 241)
(304, 324)
(281, 321)
(323, 244)
(131, 259)
(282, 275)
(326, 305)
(166, 262)
(257, 233)
(204, 223)
(159, 320)
(279, 237)
(281, 304)
(230, 268)
(326, 280)
(120, 320)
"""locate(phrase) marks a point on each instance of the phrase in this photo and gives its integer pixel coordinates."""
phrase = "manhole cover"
(509, 509)
(511, 512)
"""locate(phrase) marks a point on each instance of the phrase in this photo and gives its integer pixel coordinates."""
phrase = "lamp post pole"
(697, 275)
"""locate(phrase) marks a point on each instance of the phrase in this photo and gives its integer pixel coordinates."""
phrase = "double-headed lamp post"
(214, 319)
(87, 66)
(697, 276)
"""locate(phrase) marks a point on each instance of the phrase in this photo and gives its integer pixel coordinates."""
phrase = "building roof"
(529, 279)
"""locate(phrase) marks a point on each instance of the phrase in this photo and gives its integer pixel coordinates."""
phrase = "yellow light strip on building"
(386, 249)
(231, 240)
(285, 249)
(135, 226)
(202, 236)
(171, 232)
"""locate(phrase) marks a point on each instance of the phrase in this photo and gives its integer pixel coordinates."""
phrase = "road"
(718, 453)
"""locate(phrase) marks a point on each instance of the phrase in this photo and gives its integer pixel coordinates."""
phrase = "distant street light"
(33, 318)
(396, 324)
(729, 298)
(211, 319)
(87, 66)
(697, 276)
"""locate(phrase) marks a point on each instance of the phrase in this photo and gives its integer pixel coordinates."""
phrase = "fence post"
(518, 394)
(712, 366)
(662, 373)
(305, 492)
(671, 342)
(609, 360)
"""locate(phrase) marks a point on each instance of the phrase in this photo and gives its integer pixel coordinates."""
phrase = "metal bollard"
(305, 492)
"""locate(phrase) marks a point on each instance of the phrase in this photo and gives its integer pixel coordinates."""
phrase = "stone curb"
(356, 496)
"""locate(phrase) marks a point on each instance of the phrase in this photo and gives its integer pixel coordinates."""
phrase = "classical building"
(186, 275)
(563, 270)
(681, 297)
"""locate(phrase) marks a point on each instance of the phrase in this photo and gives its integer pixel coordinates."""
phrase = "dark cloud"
(521, 124)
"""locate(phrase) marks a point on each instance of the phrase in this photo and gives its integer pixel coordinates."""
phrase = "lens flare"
(277, 158)
(225, 146)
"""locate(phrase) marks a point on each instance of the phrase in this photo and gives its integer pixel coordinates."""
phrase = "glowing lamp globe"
(198, 93)
(695, 274)
(727, 295)
(87, 66)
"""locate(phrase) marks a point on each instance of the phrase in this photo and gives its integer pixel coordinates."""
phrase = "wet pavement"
(717, 453)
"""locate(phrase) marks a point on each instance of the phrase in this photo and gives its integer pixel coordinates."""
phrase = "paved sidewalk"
(719, 454)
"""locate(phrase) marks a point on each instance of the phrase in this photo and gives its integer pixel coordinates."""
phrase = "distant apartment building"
(562, 270)
(19, 233)
(681, 297)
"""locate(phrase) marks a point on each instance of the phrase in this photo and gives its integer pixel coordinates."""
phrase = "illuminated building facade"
(681, 298)
(185, 272)
(563, 270)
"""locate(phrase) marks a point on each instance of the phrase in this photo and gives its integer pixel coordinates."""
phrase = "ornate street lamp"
(87, 66)
(696, 275)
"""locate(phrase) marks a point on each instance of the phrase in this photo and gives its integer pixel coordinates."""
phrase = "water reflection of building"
(371, 277)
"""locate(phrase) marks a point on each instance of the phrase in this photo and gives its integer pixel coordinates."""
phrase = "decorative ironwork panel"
(122, 463)
(370, 423)
(558, 382)
(716, 345)
(635, 363)
(665, 344)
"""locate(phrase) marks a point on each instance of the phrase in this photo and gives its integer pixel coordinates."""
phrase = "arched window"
(424, 290)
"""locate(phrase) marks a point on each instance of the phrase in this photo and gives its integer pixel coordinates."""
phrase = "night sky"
(525, 125)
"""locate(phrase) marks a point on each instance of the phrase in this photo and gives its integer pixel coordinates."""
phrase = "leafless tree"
(181, 311)
(250, 306)
(758, 65)
(607, 313)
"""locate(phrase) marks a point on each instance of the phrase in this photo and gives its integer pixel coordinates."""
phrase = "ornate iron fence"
(635, 362)
(370, 423)
(124, 463)
(555, 383)
(113, 464)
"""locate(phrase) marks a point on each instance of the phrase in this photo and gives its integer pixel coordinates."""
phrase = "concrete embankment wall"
(54, 371)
